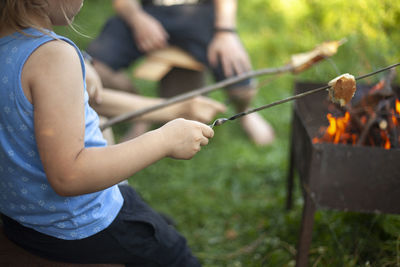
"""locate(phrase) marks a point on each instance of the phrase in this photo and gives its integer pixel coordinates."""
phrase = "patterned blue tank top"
(25, 194)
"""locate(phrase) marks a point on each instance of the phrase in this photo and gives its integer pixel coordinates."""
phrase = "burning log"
(383, 89)
(378, 119)
(394, 132)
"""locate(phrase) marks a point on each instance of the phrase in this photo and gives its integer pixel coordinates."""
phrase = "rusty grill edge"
(339, 177)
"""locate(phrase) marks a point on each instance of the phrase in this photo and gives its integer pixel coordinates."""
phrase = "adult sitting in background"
(206, 29)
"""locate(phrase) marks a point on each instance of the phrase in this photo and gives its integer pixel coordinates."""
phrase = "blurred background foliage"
(229, 199)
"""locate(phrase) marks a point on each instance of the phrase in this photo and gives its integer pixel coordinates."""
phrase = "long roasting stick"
(298, 63)
(191, 94)
(221, 121)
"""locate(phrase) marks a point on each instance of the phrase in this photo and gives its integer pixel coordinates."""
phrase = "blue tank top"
(25, 194)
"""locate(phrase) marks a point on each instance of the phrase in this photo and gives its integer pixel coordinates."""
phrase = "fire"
(386, 144)
(338, 127)
(332, 124)
(377, 125)
(337, 132)
(396, 113)
(378, 86)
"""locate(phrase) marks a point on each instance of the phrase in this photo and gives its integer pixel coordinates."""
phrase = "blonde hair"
(16, 14)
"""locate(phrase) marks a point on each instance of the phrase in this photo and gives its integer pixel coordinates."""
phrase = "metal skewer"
(221, 121)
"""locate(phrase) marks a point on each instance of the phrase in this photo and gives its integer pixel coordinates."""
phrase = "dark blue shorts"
(190, 27)
(138, 236)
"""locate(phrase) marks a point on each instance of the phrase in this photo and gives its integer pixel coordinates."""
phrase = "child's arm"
(115, 103)
(52, 81)
(109, 103)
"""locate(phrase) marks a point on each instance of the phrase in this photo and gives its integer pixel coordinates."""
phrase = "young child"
(59, 197)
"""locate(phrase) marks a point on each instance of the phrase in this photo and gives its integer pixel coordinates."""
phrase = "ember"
(371, 118)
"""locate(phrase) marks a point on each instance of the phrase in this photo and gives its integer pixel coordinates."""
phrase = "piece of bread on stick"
(342, 89)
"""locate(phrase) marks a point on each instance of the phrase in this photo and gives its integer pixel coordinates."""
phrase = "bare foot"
(258, 129)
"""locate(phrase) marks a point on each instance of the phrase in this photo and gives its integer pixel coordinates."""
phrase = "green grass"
(229, 199)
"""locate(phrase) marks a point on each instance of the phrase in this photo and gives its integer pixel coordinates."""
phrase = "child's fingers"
(203, 141)
(207, 131)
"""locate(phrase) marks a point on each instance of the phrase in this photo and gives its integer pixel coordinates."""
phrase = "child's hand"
(184, 138)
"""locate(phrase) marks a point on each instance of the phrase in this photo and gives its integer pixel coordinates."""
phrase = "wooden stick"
(229, 81)
(299, 62)
(197, 92)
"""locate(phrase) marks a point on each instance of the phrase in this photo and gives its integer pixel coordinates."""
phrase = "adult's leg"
(112, 78)
(113, 51)
(191, 27)
(256, 127)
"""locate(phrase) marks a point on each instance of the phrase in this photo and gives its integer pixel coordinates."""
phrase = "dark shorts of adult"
(138, 236)
(190, 27)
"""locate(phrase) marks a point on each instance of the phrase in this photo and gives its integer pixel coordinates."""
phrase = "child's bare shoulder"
(56, 50)
(52, 57)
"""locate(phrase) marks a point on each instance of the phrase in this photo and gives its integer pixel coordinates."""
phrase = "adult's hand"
(148, 32)
(227, 48)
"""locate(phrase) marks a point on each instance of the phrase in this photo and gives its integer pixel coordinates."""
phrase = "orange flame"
(385, 137)
(342, 131)
(377, 86)
(337, 131)
(396, 113)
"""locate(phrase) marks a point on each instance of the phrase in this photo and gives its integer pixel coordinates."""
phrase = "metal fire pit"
(339, 177)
